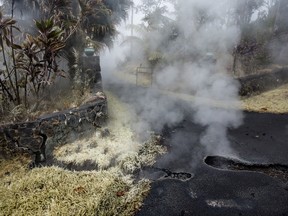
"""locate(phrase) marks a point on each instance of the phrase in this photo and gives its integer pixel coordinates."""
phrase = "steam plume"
(202, 28)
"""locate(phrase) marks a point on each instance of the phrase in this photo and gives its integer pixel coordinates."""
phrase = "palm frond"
(132, 39)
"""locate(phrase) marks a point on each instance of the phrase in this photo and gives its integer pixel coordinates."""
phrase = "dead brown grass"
(55, 191)
(111, 190)
(273, 101)
(62, 101)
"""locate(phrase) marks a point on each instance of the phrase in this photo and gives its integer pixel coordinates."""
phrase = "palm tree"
(94, 19)
(155, 23)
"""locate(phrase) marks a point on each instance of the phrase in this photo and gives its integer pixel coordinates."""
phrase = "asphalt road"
(262, 139)
(257, 190)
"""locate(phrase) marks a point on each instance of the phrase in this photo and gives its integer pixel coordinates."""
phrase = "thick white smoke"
(204, 28)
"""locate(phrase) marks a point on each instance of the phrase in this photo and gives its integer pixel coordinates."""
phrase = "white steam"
(204, 27)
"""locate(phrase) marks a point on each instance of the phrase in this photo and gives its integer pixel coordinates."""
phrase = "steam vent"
(187, 114)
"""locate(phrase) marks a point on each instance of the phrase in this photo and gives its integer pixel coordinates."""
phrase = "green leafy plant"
(31, 66)
(8, 78)
(32, 63)
(39, 55)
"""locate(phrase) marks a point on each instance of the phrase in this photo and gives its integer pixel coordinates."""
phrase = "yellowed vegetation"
(111, 190)
(55, 191)
(99, 149)
(273, 101)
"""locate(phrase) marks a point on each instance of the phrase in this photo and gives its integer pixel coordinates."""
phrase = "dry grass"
(273, 101)
(102, 149)
(54, 191)
(60, 101)
(111, 190)
(120, 149)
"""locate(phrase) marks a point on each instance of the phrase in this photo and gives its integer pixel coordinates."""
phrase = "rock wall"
(41, 136)
(91, 72)
(255, 84)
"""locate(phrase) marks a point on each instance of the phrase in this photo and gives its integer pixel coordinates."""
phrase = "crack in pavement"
(168, 174)
(276, 171)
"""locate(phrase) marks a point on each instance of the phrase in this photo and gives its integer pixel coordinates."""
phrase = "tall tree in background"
(154, 31)
(97, 19)
(245, 9)
(281, 24)
(154, 12)
(263, 37)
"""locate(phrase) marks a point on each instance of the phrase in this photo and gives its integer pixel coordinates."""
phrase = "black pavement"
(262, 140)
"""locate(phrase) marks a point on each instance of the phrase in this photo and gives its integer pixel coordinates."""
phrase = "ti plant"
(38, 57)
(33, 65)
(8, 76)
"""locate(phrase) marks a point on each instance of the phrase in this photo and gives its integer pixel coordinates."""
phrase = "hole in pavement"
(155, 173)
(276, 171)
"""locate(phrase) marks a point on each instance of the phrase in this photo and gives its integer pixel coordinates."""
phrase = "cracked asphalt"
(262, 139)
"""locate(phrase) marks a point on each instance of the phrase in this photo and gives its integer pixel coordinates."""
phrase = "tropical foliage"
(31, 55)
(258, 36)
(33, 64)
(154, 33)
(261, 24)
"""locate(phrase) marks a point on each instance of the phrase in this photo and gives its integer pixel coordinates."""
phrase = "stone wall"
(91, 72)
(255, 84)
(41, 136)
